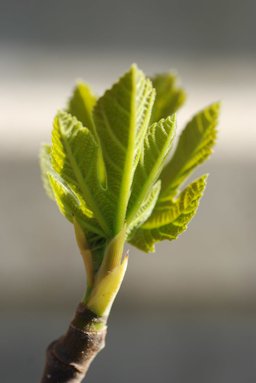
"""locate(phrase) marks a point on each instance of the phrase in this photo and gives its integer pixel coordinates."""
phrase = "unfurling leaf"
(74, 158)
(146, 208)
(169, 96)
(121, 118)
(157, 144)
(170, 218)
(81, 105)
(194, 146)
(66, 200)
(46, 167)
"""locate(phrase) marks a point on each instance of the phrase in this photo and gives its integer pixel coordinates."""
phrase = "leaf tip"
(214, 110)
(134, 67)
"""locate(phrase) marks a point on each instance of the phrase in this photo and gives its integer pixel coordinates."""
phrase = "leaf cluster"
(107, 166)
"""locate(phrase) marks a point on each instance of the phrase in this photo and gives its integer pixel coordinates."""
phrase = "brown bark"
(69, 357)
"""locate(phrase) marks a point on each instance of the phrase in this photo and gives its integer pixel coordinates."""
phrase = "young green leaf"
(157, 144)
(46, 166)
(170, 218)
(121, 118)
(71, 205)
(81, 106)
(194, 146)
(146, 208)
(74, 158)
(169, 96)
(66, 200)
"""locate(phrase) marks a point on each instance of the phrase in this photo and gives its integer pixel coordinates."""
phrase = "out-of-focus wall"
(220, 26)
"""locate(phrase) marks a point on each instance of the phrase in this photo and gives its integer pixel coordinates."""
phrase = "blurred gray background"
(186, 313)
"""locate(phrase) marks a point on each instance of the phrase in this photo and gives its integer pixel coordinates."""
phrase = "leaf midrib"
(127, 173)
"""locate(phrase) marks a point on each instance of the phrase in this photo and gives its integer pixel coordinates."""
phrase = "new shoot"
(108, 170)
